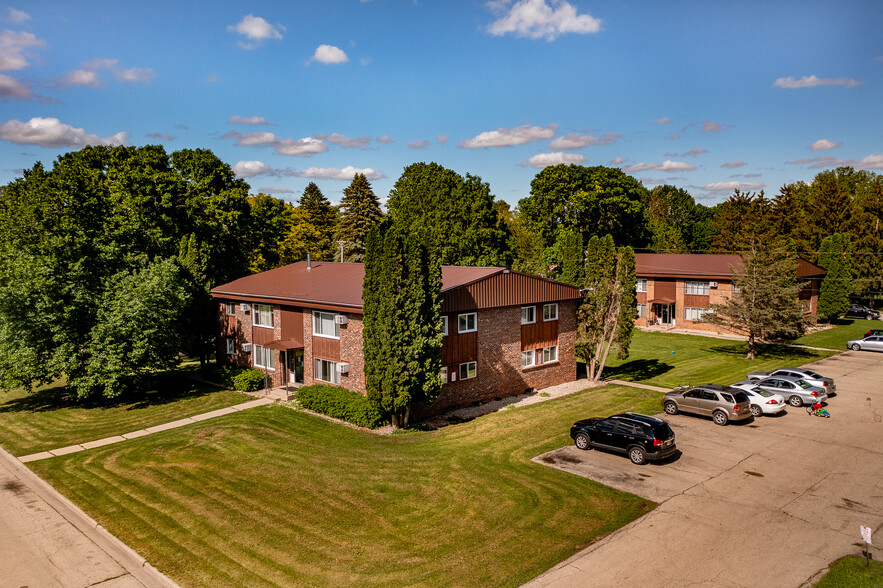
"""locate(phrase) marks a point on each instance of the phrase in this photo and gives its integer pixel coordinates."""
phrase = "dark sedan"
(639, 436)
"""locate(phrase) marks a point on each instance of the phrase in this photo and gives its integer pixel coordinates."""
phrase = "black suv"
(639, 436)
(859, 311)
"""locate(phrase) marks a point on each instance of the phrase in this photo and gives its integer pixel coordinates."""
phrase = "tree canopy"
(359, 213)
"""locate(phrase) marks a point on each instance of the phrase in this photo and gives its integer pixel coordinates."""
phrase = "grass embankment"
(49, 418)
(854, 572)
(668, 360)
(272, 496)
(843, 331)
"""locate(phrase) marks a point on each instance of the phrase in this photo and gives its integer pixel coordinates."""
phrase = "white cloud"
(249, 169)
(17, 16)
(691, 153)
(509, 137)
(385, 139)
(711, 127)
(731, 186)
(256, 29)
(12, 88)
(251, 139)
(577, 141)
(536, 19)
(666, 165)
(542, 160)
(662, 121)
(332, 173)
(247, 120)
(136, 75)
(870, 162)
(618, 160)
(51, 132)
(733, 164)
(344, 141)
(442, 139)
(306, 147)
(418, 144)
(329, 55)
(13, 47)
(826, 161)
(812, 81)
(80, 77)
(823, 145)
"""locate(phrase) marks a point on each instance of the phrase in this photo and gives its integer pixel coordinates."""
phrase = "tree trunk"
(751, 346)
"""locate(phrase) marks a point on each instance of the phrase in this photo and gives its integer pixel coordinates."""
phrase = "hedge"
(340, 403)
(240, 378)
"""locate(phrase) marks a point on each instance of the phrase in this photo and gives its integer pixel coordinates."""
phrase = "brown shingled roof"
(686, 265)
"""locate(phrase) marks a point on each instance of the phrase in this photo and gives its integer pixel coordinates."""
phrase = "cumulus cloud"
(662, 121)
(329, 55)
(250, 169)
(823, 145)
(14, 47)
(666, 165)
(306, 147)
(332, 173)
(731, 186)
(385, 139)
(542, 160)
(344, 141)
(618, 160)
(257, 138)
(247, 120)
(577, 141)
(88, 76)
(51, 132)
(813, 81)
(80, 77)
(418, 144)
(541, 19)
(257, 30)
(12, 88)
(509, 137)
(712, 127)
(442, 139)
(135, 75)
(17, 16)
(161, 136)
(733, 164)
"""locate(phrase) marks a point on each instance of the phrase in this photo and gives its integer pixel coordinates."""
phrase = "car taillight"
(824, 383)
(736, 408)
(773, 401)
(816, 394)
(657, 442)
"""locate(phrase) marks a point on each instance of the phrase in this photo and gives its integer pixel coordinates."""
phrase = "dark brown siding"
(641, 297)
(260, 335)
(292, 323)
(664, 289)
(461, 348)
(506, 289)
(696, 300)
(539, 334)
(326, 348)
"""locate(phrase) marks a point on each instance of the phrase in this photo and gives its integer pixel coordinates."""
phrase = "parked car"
(762, 401)
(796, 391)
(804, 374)
(639, 436)
(874, 343)
(874, 332)
(721, 403)
(859, 311)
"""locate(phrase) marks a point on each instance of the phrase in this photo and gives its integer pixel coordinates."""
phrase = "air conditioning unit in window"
(712, 284)
(343, 368)
(246, 347)
(341, 319)
(244, 307)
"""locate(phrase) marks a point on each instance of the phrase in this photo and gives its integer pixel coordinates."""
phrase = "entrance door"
(665, 314)
(296, 366)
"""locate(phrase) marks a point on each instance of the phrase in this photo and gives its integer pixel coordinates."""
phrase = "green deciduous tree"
(359, 213)
(271, 221)
(835, 257)
(743, 218)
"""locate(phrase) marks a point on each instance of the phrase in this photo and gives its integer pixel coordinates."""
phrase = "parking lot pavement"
(774, 498)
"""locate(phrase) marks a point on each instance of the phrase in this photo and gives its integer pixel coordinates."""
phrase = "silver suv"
(721, 403)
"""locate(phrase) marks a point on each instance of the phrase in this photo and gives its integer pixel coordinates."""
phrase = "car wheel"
(637, 455)
(756, 410)
(720, 417)
(856, 347)
(795, 401)
(671, 408)
(582, 441)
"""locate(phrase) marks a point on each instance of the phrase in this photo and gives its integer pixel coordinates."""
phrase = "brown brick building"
(676, 289)
(505, 331)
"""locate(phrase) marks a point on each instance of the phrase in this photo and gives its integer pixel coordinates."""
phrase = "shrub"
(340, 403)
(249, 380)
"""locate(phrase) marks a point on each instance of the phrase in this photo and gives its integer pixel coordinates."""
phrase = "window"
(467, 370)
(642, 310)
(550, 312)
(694, 314)
(466, 323)
(697, 288)
(263, 357)
(528, 358)
(528, 315)
(443, 375)
(326, 371)
(737, 289)
(325, 326)
(641, 285)
(445, 326)
(231, 307)
(550, 354)
(231, 346)
(263, 315)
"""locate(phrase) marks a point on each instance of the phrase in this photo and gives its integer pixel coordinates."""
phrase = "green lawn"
(853, 572)
(272, 496)
(48, 418)
(837, 337)
(669, 359)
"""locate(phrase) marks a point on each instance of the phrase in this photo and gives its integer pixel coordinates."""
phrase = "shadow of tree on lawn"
(637, 370)
(768, 351)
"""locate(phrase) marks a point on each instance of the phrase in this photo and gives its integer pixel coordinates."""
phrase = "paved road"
(768, 502)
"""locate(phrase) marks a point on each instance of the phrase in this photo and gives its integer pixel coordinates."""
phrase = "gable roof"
(703, 265)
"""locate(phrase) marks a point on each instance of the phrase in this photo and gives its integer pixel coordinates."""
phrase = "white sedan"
(762, 401)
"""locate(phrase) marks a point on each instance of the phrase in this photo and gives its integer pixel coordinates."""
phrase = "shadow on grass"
(638, 370)
(161, 388)
(766, 351)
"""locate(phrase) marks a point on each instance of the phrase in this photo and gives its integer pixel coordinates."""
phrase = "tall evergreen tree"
(743, 218)
(835, 257)
(318, 212)
(867, 266)
(359, 213)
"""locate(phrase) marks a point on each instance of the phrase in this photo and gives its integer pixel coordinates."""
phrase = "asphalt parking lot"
(771, 501)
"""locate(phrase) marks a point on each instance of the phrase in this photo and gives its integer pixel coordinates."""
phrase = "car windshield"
(740, 397)
(803, 384)
(662, 431)
(762, 392)
(815, 376)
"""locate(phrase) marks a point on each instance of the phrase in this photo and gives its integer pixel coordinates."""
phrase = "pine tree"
(359, 213)
(318, 212)
(835, 258)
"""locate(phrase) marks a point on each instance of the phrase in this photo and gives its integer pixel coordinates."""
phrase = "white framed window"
(642, 310)
(694, 314)
(324, 325)
(467, 370)
(264, 357)
(550, 312)
(326, 371)
(231, 346)
(528, 358)
(528, 315)
(263, 315)
(550, 354)
(466, 323)
(641, 285)
(737, 289)
(230, 307)
(694, 287)
(445, 326)
(443, 375)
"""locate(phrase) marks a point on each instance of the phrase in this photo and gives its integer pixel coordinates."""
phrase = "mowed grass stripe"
(273, 496)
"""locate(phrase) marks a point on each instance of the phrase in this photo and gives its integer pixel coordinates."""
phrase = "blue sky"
(704, 95)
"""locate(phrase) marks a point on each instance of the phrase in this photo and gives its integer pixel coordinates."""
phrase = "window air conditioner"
(343, 368)
(712, 284)
(244, 307)
(341, 319)
(246, 347)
